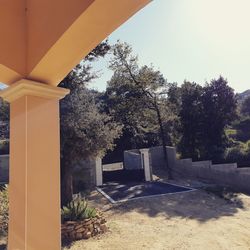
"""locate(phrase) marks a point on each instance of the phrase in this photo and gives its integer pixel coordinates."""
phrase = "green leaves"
(204, 113)
(77, 210)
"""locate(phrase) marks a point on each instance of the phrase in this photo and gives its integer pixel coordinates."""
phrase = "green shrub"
(239, 153)
(77, 210)
(231, 133)
(4, 210)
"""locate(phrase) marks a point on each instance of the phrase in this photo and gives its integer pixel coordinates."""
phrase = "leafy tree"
(205, 112)
(243, 129)
(4, 111)
(191, 112)
(4, 127)
(219, 108)
(85, 131)
(137, 94)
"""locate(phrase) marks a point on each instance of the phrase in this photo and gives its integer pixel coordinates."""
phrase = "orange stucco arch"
(42, 40)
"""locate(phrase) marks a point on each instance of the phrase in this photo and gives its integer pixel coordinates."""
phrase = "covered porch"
(41, 42)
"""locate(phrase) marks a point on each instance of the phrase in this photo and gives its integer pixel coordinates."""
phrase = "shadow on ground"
(66, 244)
(200, 205)
(3, 247)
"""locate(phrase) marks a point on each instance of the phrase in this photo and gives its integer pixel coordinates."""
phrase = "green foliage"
(243, 129)
(191, 112)
(4, 210)
(219, 104)
(86, 131)
(245, 108)
(4, 121)
(136, 98)
(205, 112)
(231, 132)
(4, 110)
(239, 153)
(77, 210)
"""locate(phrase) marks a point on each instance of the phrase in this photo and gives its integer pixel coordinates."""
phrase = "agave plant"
(77, 210)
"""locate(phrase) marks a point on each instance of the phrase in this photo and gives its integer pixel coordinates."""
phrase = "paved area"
(116, 192)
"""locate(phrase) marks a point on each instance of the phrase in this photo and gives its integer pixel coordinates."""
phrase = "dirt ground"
(195, 220)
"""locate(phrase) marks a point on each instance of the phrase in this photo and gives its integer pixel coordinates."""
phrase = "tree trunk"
(66, 185)
(164, 144)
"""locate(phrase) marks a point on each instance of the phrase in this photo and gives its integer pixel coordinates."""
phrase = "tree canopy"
(85, 130)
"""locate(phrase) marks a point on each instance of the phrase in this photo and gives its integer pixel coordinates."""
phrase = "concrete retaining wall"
(132, 159)
(4, 168)
(221, 174)
(157, 156)
(84, 174)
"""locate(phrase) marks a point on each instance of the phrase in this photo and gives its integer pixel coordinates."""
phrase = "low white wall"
(224, 167)
(132, 159)
(112, 166)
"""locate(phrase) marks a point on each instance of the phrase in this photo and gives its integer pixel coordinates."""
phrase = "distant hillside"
(241, 97)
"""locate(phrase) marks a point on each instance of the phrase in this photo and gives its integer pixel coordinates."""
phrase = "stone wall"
(4, 168)
(78, 230)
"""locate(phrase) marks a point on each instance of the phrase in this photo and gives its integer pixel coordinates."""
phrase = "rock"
(87, 222)
(103, 228)
(77, 230)
(78, 236)
(79, 226)
(103, 221)
(72, 235)
(70, 223)
(81, 230)
(87, 235)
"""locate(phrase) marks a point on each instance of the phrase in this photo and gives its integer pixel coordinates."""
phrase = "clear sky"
(195, 40)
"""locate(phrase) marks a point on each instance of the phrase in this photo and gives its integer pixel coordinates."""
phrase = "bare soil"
(195, 220)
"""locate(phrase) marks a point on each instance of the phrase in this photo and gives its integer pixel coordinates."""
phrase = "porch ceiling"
(42, 40)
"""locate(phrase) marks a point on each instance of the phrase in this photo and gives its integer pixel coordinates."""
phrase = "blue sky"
(195, 40)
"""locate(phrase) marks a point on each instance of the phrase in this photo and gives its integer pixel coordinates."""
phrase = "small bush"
(239, 153)
(77, 210)
(4, 210)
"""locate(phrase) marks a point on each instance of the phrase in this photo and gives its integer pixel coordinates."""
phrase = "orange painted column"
(34, 188)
